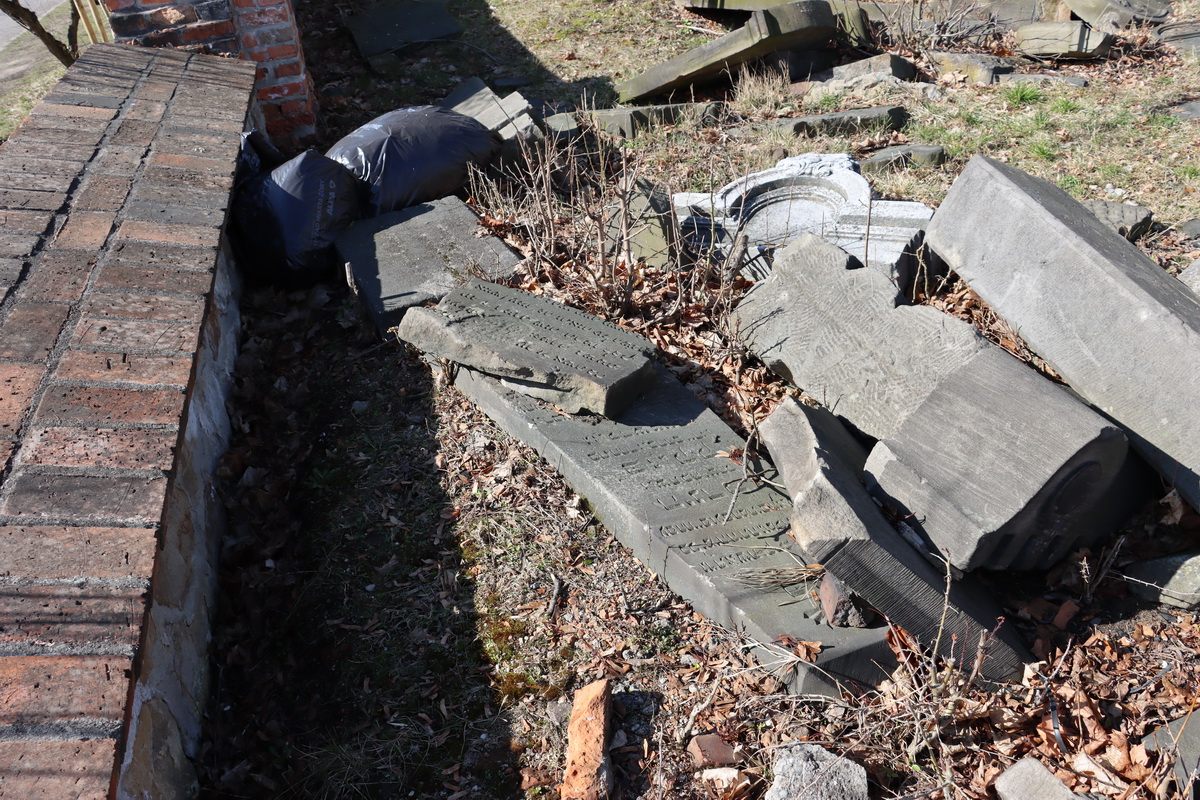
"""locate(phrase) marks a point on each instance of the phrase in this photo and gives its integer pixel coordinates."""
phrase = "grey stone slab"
(1183, 35)
(1191, 276)
(904, 155)
(1126, 219)
(1028, 779)
(1171, 580)
(1113, 15)
(1190, 228)
(891, 118)
(1070, 40)
(628, 121)
(414, 256)
(535, 345)
(811, 772)
(511, 116)
(811, 193)
(800, 24)
(657, 478)
(978, 68)
(1121, 332)
(643, 229)
(999, 468)
(392, 24)
(838, 525)
(887, 64)
(563, 127)
(837, 332)
(1187, 111)
(1042, 79)
(1180, 739)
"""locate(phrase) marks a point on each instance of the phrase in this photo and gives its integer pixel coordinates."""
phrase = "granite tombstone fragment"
(536, 345)
(1171, 580)
(1126, 219)
(1113, 15)
(1028, 779)
(1069, 40)
(811, 772)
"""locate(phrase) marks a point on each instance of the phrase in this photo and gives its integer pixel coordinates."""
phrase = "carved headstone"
(536, 345)
(661, 478)
(1122, 332)
(1112, 15)
(1074, 40)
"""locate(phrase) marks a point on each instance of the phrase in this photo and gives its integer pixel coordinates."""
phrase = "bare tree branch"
(66, 53)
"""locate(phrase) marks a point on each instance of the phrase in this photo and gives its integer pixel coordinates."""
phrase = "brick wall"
(118, 326)
(263, 31)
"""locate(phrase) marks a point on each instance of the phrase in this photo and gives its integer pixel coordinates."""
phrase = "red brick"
(264, 17)
(52, 110)
(62, 151)
(149, 110)
(131, 334)
(34, 201)
(7, 446)
(207, 30)
(103, 193)
(71, 615)
(93, 127)
(287, 70)
(30, 331)
(168, 308)
(257, 54)
(39, 166)
(61, 553)
(130, 276)
(172, 15)
(86, 498)
(154, 90)
(248, 39)
(18, 245)
(137, 132)
(119, 5)
(281, 90)
(115, 159)
(195, 235)
(262, 73)
(18, 383)
(85, 230)
(58, 276)
(30, 132)
(41, 770)
(187, 177)
(26, 221)
(34, 182)
(50, 690)
(283, 51)
(163, 255)
(105, 406)
(293, 107)
(218, 166)
(84, 365)
(100, 447)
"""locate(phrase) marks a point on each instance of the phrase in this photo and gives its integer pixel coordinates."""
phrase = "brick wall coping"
(113, 194)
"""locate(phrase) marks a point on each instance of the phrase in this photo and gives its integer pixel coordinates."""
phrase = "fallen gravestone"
(660, 478)
(1114, 15)
(1021, 488)
(1028, 779)
(1185, 111)
(1180, 739)
(1191, 276)
(1126, 219)
(1183, 35)
(1171, 580)
(1190, 228)
(1121, 332)
(838, 525)
(886, 64)
(976, 68)
(563, 127)
(389, 25)
(856, 120)
(642, 226)
(535, 345)
(414, 256)
(799, 24)
(512, 116)
(628, 121)
(1062, 40)
(1042, 79)
(811, 772)
(810, 193)
(904, 155)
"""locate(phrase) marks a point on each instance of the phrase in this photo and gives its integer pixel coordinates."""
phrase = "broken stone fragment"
(811, 772)
(1029, 779)
(837, 525)
(1180, 738)
(842, 608)
(710, 750)
(387, 26)
(886, 64)
(904, 155)
(588, 775)
(642, 228)
(512, 116)
(1113, 15)
(1171, 580)
(1126, 219)
(535, 345)
(977, 68)
(1067, 40)
(1042, 79)
(799, 24)
(1191, 276)
(855, 120)
(1183, 36)
(1121, 332)
(628, 121)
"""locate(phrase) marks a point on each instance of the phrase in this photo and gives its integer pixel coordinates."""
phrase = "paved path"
(9, 30)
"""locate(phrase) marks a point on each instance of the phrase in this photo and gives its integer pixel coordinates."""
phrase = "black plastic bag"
(413, 155)
(286, 220)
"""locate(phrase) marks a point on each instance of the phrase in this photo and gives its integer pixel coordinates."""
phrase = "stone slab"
(838, 525)
(855, 120)
(658, 477)
(904, 155)
(1029, 779)
(1171, 580)
(414, 256)
(628, 121)
(1069, 40)
(1182, 739)
(1126, 219)
(1183, 35)
(1185, 111)
(837, 333)
(800, 24)
(1123, 333)
(811, 772)
(1113, 15)
(978, 68)
(852, 15)
(999, 468)
(536, 345)
(645, 229)
(1042, 79)
(887, 64)
(391, 24)
(1191, 276)
(563, 127)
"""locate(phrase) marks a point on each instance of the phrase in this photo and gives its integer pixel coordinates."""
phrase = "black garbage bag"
(286, 221)
(413, 155)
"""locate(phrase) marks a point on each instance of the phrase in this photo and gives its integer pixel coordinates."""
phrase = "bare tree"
(65, 52)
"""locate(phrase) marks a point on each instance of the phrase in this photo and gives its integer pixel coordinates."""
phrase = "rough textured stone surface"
(1185, 111)
(890, 118)
(904, 155)
(628, 121)
(1183, 35)
(391, 24)
(1029, 779)
(799, 24)
(588, 774)
(811, 772)
(812, 193)
(1123, 333)
(1170, 580)
(838, 526)
(1112, 15)
(536, 345)
(888, 64)
(1126, 219)
(1062, 40)
(842, 607)
(977, 68)
(710, 750)
(1183, 738)
(1000, 468)
(412, 257)
(644, 229)
(511, 116)
(657, 479)
(1042, 79)
(1191, 276)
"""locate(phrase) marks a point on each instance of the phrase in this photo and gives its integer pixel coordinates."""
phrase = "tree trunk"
(30, 22)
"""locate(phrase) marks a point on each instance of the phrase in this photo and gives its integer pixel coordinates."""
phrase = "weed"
(760, 94)
(830, 101)
(1043, 150)
(1064, 105)
(1188, 172)
(1020, 95)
